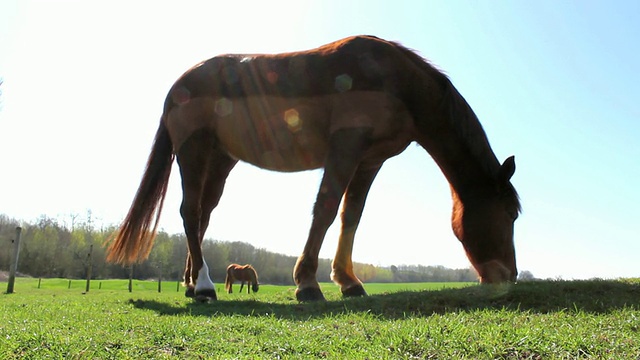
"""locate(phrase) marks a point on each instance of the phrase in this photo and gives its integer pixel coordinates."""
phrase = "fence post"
(89, 267)
(14, 261)
(131, 278)
(160, 278)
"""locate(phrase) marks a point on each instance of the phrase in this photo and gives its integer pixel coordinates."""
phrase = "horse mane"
(459, 114)
(462, 119)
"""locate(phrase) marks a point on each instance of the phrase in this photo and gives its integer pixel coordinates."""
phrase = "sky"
(553, 83)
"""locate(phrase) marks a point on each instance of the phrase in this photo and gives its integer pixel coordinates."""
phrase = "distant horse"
(241, 273)
(346, 107)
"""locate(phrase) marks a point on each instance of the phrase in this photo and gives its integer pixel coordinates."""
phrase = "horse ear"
(507, 169)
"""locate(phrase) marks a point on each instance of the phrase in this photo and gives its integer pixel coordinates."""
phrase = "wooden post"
(39, 281)
(14, 261)
(131, 278)
(89, 267)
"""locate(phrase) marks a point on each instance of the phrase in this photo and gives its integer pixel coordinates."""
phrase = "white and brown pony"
(346, 107)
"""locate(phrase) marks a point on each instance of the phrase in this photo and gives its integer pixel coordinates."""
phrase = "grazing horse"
(345, 107)
(241, 273)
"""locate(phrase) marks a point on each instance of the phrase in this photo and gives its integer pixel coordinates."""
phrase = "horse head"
(483, 222)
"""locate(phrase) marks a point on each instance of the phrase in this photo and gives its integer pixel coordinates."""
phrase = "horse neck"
(450, 131)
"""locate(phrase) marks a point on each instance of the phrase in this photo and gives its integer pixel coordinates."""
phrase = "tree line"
(50, 249)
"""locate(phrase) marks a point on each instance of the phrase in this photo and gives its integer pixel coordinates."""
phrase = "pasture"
(531, 320)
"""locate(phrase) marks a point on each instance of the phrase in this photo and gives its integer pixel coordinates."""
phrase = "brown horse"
(345, 107)
(241, 273)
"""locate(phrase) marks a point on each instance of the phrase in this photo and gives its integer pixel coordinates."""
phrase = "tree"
(53, 250)
(40, 248)
(526, 276)
(160, 256)
(394, 272)
(365, 272)
(7, 234)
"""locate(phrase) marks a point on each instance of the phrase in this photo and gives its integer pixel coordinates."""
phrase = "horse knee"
(305, 269)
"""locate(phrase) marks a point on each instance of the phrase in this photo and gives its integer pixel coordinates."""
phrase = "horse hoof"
(190, 292)
(354, 291)
(205, 295)
(309, 294)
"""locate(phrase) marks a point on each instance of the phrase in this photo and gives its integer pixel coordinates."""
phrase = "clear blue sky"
(554, 83)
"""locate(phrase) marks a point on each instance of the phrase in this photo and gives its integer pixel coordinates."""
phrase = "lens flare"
(272, 77)
(343, 83)
(292, 118)
(181, 95)
(223, 107)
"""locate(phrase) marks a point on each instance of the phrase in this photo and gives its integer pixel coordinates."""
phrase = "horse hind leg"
(191, 164)
(355, 197)
(228, 282)
(220, 165)
(204, 169)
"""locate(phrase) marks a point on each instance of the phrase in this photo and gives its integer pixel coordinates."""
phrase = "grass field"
(535, 320)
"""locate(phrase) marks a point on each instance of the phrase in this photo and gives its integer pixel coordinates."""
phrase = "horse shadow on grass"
(592, 296)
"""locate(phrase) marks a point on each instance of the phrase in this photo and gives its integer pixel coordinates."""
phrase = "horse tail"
(228, 280)
(133, 241)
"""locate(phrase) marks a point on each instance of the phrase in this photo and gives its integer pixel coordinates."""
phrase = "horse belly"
(292, 134)
(274, 133)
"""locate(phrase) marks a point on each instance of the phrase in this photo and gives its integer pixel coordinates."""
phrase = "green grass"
(29, 284)
(538, 320)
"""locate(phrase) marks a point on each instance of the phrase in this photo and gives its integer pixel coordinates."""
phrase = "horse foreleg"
(354, 200)
(190, 292)
(241, 286)
(346, 147)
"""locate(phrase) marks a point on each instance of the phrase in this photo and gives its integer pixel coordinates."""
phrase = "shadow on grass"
(593, 296)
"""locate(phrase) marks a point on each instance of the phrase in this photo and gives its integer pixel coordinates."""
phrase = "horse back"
(359, 63)
(278, 111)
